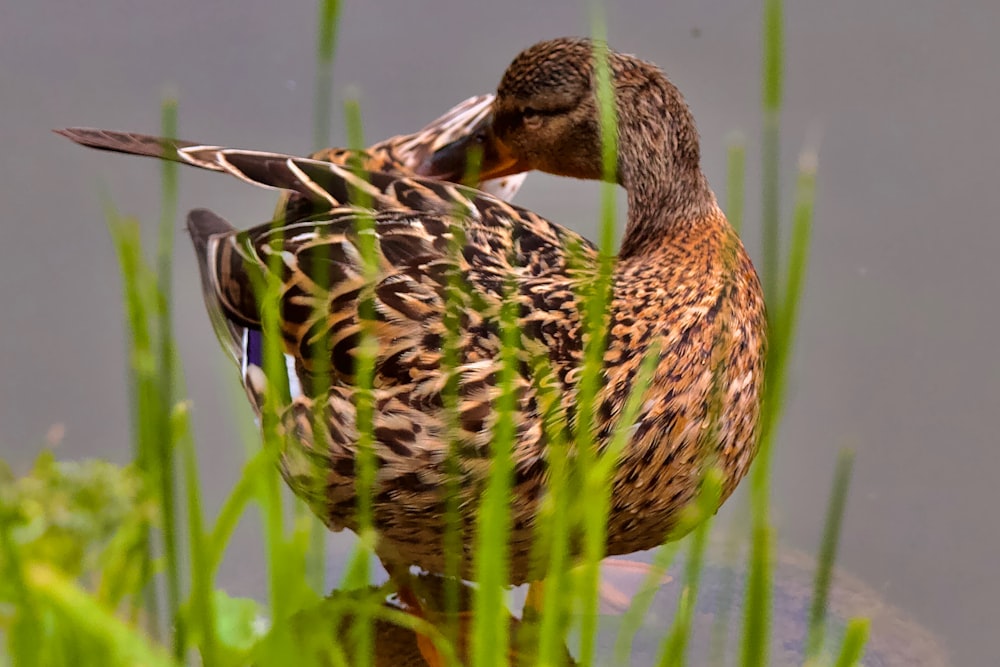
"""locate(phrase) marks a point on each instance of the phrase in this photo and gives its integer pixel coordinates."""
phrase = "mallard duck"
(682, 282)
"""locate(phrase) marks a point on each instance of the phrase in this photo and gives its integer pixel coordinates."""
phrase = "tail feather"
(133, 143)
(276, 171)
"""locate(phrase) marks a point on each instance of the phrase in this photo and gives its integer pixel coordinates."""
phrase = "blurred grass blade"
(326, 44)
(757, 614)
(358, 572)
(201, 608)
(675, 643)
(595, 298)
(366, 466)
(153, 376)
(773, 65)
(276, 398)
(141, 294)
(554, 522)
(123, 571)
(25, 635)
(121, 645)
(736, 157)
(166, 375)
(328, 22)
(260, 464)
(828, 553)
(491, 620)
(455, 302)
(786, 319)
(726, 594)
(853, 647)
(638, 610)
(757, 611)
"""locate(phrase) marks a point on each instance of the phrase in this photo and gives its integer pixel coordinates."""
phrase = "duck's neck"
(659, 167)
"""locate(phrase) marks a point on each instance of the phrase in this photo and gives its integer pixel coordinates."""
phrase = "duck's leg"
(617, 598)
(414, 599)
(534, 600)
(412, 604)
(614, 597)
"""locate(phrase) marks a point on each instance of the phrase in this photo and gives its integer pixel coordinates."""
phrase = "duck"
(681, 288)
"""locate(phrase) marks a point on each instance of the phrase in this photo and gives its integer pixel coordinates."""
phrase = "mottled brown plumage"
(682, 282)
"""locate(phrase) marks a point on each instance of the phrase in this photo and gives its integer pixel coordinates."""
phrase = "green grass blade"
(455, 302)
(554, 523)
(736, 157)
(757, 619)
(166, 375)
(123, 562)
(786, 319)
(772, 80)
(757, 615)
(260, 464)
(120, 644)
(490, 638)
(675, 644)
(359, 571)
(853, 647)
(25, 635)
(828, 553)
(328, 21)
(153, 378)
(719, 640)
(201, 608)
(774, 46)
(138, 288)
(597, 491)
(596, 297)
(280, 560)
(637, 611)
(326, 42)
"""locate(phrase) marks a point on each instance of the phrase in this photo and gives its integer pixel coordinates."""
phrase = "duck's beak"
(458, 160)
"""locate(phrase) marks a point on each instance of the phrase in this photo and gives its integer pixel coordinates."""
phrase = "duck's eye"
(531, 118)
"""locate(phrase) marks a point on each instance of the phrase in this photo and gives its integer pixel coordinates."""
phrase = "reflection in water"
(895, 640)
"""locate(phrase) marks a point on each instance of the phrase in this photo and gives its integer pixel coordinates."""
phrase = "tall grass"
(326, 43)
(146, 608)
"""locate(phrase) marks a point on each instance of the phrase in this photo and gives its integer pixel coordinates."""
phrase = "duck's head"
(546, 116)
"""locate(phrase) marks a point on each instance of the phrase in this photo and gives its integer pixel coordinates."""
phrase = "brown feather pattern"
(684, 284)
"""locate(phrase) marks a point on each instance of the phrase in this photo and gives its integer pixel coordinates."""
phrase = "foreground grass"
(109, 586)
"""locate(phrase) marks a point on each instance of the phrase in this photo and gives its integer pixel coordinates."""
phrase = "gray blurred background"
(896, 355)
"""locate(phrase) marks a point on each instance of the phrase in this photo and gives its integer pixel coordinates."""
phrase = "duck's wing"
(445, 264)
(427, 233)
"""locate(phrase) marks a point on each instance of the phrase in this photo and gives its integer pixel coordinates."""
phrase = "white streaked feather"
(294, 386)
